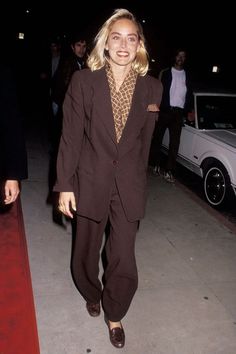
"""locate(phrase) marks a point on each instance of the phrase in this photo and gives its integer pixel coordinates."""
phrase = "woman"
(109, 116)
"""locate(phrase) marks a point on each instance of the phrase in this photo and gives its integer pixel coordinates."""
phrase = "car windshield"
(216, 112)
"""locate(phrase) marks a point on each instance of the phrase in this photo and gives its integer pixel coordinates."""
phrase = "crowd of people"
(108, 116)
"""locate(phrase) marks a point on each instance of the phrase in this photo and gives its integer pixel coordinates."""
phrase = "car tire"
(217, 187)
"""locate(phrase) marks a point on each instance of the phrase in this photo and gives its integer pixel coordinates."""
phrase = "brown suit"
(109, 182)
(89, 157)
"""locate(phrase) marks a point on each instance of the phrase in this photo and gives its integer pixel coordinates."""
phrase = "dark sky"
(207, 34)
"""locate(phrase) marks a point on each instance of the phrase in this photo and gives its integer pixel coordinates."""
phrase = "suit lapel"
(136, 116)
(103, 101)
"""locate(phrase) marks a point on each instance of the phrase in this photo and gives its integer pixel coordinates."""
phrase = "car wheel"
(217, 188)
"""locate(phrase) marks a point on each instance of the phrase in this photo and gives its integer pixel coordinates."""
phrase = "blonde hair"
(98, 57)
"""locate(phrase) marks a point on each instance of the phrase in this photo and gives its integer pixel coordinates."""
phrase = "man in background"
(177, 101)
(73, 61)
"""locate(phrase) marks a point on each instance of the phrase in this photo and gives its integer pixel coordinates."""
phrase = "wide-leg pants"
(120, 274)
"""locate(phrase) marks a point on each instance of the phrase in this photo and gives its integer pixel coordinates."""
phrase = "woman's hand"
(67, 203)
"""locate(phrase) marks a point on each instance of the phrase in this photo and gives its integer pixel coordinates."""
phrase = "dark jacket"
(166, 79)
(90, 161)
(62, 77)
(13, 159)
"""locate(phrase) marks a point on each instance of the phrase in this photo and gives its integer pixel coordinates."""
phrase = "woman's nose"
(123, 42)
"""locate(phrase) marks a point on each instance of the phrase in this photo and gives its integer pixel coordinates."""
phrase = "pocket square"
(153, 108)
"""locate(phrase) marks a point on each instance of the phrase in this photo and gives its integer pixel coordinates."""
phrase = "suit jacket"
(90, 161)
(13, 159)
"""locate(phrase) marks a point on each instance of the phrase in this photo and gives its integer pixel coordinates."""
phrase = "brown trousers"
(120, 275)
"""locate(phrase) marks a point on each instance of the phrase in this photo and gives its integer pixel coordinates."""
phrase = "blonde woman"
(109, 116)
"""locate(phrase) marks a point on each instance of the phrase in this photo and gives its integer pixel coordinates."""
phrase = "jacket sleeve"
(155, 96)
(72, 136)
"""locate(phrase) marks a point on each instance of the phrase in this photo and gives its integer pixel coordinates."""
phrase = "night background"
(206, 30)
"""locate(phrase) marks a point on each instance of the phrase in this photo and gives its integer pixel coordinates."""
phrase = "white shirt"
(178, 88)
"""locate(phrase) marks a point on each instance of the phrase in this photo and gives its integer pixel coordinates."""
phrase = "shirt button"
(115, 162)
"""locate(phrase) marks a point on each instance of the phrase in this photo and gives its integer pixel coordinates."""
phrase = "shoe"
(117, 336)
(93, 309)
(169, 177)
(156, 170)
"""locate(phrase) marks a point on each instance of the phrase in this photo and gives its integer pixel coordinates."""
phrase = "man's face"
(79, 48)
(180, 59)
(55, 48)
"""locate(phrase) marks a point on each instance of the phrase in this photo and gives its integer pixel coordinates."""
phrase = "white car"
(208, 145)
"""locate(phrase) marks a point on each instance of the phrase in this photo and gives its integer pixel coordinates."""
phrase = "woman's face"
(123, 42)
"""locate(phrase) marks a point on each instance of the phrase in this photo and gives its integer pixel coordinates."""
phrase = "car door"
(187, 148)
(187, 143)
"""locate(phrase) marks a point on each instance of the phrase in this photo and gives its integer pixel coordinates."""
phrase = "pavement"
(186, 257)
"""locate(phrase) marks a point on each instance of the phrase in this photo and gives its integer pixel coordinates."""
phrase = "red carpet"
(18, 329)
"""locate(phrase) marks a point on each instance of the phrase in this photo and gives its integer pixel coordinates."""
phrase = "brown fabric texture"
(121, 100)
(89, 146)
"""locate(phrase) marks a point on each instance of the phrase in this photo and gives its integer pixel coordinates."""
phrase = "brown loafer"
(117, 336)
(93, 309)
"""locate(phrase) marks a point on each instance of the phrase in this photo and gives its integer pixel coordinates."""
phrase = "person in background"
(68, 64)
(13, 157)
(177, 101)
(109, 116)
(76, 60)
(55, 60)
(49, 63)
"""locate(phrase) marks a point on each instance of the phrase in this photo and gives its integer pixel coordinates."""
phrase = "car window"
(216, 112)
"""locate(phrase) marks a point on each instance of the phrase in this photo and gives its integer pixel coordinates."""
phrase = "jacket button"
(115, 162)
